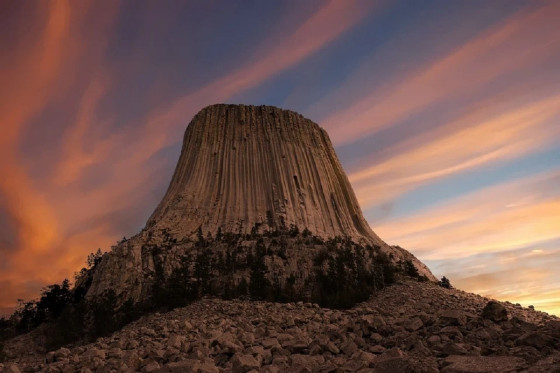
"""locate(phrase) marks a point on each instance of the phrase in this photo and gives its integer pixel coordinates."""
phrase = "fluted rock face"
(245, 165)
(250, 182)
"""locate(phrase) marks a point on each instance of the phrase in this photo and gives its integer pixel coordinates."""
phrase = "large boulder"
(495, 311)
(453, 317)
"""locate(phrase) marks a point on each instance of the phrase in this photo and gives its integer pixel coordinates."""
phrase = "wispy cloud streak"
(470, 142)
(33, 79)
(519, 42)
(59, 217)
(494, 219)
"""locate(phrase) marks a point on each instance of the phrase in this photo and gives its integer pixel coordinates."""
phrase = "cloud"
(519, 276)
(34, 78)
(60, 216)
(33, 71)
(75, 158)
(485, 221)
(477, 139)
(519, 43)
(38, 227)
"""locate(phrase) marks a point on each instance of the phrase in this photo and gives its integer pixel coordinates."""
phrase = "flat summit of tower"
(243, 165)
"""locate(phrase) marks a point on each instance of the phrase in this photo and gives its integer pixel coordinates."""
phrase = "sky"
(445, 115)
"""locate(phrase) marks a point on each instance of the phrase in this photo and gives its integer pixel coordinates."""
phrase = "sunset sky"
(445, 115)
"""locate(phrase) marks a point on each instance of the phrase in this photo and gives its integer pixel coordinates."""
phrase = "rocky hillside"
(408, 327)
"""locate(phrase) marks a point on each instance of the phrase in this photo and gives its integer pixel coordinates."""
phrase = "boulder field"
(408, 327)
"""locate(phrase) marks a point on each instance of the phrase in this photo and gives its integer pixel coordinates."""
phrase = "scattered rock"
(534, 339)
(244, 363)
(409, 327)
(481, 364)
(188, 365)
(11, 368)
(454, 349)
(453, 317)
(188, 326)
(392, 361)
(151, 366)
(414, 324)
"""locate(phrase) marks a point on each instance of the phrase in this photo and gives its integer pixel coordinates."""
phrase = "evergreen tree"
(445, 283)
(259, 284)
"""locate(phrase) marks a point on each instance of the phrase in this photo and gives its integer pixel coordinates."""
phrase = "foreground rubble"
(408, 327)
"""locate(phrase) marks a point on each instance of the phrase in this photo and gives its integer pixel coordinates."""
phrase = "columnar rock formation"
(245, 165)
(251, 172)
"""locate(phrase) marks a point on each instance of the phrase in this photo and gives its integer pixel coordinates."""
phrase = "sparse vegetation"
(410, 269)
(67, 316)
(347, 280)
(445, 283)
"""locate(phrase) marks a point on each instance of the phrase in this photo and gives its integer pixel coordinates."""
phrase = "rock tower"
(245, 165)
(252, 172)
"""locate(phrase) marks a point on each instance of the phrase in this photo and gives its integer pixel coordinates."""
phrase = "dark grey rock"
(495, 311)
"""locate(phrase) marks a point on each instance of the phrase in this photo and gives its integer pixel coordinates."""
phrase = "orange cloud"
(495, 241)
(518, 285)
(33, 71)
(326, 25)
(494, 219)
(526, 276)
(34, 78)
(75, 158)
(57, 240)
(519, 42)
(38, 229)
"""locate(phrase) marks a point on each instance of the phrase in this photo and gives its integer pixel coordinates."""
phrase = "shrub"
(410, 269)
(348, 280)
(53, 300)
(103, 314)
(179, 289)
(259, 286)
(94, 259)
(202, 272)
(445, 283)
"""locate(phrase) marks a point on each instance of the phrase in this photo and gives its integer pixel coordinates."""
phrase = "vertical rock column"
(242, 165)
